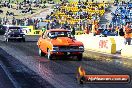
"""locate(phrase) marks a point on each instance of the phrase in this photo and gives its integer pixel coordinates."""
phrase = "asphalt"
(5, 81)
(61, 73)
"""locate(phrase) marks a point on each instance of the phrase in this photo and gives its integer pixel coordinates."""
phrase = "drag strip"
(24, 77)
(6, 81)
(60, 73)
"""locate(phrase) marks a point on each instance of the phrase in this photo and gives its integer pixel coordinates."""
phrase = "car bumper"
(67, 52)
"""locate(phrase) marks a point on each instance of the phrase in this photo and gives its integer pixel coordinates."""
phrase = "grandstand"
(78, 14)
(122, 14)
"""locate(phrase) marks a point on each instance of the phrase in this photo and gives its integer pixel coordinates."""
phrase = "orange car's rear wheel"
(41, 53)
(49, 55)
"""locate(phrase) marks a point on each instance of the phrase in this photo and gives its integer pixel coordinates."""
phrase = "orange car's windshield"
(60, 34)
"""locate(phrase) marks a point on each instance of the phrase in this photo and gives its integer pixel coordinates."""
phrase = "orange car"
(59, 42)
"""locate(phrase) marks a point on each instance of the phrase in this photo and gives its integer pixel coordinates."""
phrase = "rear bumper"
(15, 37)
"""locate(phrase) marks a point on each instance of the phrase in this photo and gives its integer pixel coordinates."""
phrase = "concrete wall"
(127, 51)
(110, 44)
(99, 44)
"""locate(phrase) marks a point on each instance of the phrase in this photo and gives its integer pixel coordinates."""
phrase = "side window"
(51, 34)
(48, 34)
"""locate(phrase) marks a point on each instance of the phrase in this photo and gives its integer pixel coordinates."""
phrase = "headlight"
(81, 47)
(55, 47)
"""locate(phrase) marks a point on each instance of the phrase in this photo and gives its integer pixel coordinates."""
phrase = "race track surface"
(4, 80)
(61, 73)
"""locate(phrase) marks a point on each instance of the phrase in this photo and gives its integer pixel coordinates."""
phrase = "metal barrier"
(79, 32)
(35, 32)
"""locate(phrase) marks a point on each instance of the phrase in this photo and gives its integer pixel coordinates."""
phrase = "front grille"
(68, 47)
(16, 35)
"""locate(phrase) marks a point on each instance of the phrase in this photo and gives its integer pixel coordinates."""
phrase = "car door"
(48, 41)
(44, 43)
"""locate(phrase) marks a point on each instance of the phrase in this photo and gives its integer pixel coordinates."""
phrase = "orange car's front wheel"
(49, 55)
(79, 57)
(41, 53)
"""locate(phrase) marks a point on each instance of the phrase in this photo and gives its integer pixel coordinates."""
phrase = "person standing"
(117, 30)
(13, 21)
(44, 29)
(86, 31)
(127, 36)
(121, 32)
(73, 31)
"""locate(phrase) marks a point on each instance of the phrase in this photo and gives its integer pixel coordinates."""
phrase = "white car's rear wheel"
(23, 39)
(6, 39)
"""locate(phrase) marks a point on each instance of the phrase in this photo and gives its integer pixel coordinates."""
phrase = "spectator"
(14, 21)
(105, 32)
(121, 32)
(44, 29)
(86, 30)
(117, 30)
(73, 31)
(127, 35)
(47, 26)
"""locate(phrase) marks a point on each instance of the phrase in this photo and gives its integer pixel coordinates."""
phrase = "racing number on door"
(103, 44)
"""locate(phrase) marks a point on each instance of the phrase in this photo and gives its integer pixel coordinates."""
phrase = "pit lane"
(57, 73)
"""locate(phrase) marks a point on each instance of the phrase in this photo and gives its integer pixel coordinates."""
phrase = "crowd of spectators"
(61, 16)
(20, 7)
(55, 20)
(122, 14)
(5, 4)
(121, 17)
(21, 22)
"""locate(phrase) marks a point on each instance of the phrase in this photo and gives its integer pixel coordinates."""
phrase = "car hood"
(65, 41)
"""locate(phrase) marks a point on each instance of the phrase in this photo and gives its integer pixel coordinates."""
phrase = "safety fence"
(29, 30)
